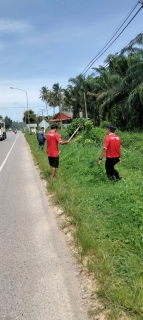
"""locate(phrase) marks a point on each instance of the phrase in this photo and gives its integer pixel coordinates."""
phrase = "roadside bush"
(92, 134)
(73, 126)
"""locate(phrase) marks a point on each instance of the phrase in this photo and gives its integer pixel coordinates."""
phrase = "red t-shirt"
(53, 139)
(112, 144)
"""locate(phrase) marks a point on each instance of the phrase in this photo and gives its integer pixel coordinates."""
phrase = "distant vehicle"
(2, 130)
(10, 129)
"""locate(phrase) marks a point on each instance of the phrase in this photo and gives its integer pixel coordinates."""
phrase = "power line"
(119, 52)
(101, 51)
(112, 36)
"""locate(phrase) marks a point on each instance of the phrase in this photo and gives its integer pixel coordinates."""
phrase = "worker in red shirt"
(53, 139)
(112, 149)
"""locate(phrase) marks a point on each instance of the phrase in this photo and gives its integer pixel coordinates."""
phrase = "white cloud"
(8, 25)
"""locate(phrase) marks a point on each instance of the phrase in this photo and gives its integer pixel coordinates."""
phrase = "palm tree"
(44, 91)
(70, 100)
(44, 94)
(114, 92)
(57, 95)
(79, 94)
(52, 101)
(118, 88)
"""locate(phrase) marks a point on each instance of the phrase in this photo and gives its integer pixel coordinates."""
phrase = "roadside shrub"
(73, 126)
(130, 139)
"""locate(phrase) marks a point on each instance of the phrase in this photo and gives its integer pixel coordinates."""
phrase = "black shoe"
(111, 178)
(118, 178)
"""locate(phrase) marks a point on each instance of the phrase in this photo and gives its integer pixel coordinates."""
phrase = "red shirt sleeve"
(106, 142)
(58, 137)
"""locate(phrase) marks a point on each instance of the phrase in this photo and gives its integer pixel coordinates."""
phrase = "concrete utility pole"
(42, 110)
(60, 108)
(85, 106)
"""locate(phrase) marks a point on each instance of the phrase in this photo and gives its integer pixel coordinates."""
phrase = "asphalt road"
(38, 273)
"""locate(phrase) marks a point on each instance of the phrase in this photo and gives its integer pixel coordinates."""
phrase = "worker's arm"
(101, 156)
(63, 142)
(120, 156)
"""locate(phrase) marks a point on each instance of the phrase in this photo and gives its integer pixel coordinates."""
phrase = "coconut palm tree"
(79, 93)
(57, 95)
(44, 91)
(44, 94)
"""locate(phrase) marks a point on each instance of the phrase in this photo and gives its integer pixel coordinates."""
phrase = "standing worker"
(53, 139)
(41, 138)
(112, 149)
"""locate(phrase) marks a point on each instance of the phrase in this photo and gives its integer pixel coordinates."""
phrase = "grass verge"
(108, 217)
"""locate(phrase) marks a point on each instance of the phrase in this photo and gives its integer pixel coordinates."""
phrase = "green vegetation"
(108, 216)
(113, 92)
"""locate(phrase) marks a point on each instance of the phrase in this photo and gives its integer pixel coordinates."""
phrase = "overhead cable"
(95, 59)
(128, 43)
(113, 35)
(101, 51)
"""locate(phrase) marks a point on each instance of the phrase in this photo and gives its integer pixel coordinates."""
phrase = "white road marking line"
(8, 155)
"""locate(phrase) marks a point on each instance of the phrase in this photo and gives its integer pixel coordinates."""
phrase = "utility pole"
(43, 116)
(47, 108)
(60, 108)
(42, 112)
(85, 106)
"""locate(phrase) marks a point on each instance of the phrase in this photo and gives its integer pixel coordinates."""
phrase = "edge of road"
(89, 284)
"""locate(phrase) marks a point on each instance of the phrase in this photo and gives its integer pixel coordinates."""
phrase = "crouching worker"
(112, 149)
(53, 139)
(41, 138)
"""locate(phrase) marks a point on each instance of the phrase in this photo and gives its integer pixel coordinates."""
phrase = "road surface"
(38, 273)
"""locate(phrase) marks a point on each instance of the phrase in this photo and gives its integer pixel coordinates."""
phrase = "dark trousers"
(109, 166)
(40, 144)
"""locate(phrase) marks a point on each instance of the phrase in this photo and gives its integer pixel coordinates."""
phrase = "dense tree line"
(9, 124)
(7, 120)
(113, 92)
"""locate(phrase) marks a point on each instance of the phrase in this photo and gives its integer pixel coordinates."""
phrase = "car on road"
(2, 130)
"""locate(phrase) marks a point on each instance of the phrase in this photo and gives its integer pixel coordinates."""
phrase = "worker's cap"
(111, 127)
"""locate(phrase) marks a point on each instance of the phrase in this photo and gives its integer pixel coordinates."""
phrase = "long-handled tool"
(81, 123)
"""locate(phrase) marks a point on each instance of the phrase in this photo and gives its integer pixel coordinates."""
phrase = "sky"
(43, 42)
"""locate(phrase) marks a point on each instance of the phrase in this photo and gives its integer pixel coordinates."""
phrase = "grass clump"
(108, 216)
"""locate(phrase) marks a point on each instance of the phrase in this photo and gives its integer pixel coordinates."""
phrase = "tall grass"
(108, 216)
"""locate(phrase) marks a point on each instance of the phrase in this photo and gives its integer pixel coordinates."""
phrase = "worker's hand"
(119, 161)
(63, 142)
(99, 162)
